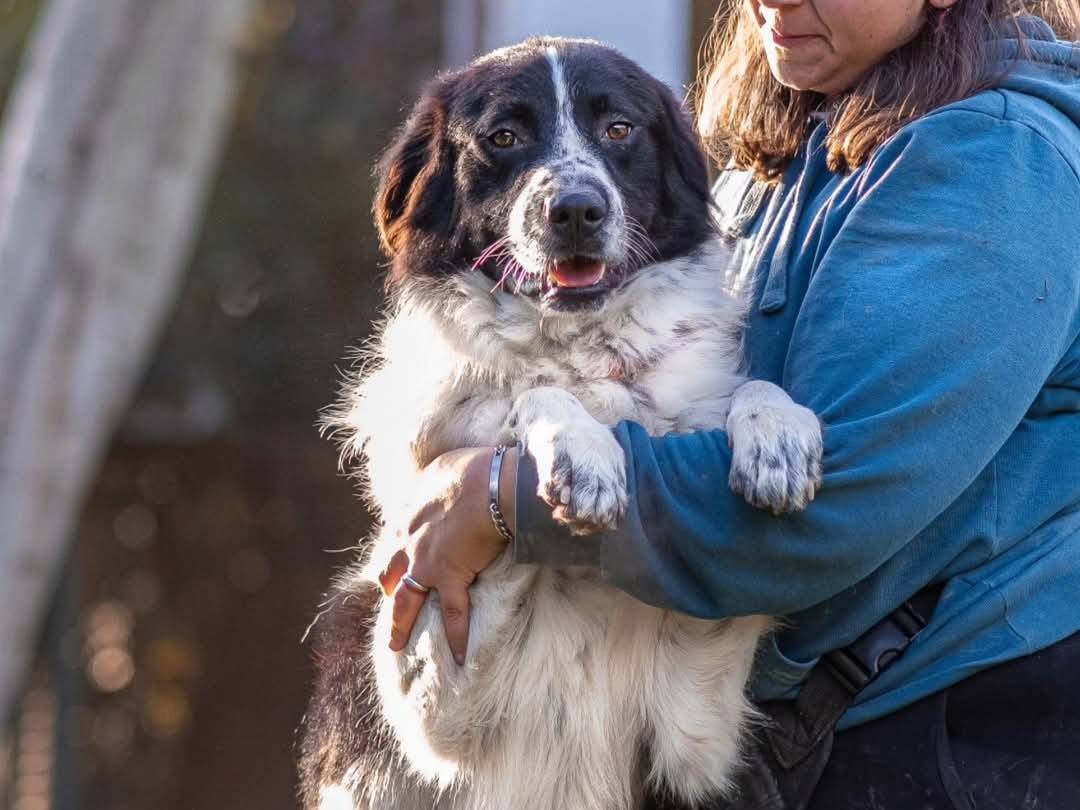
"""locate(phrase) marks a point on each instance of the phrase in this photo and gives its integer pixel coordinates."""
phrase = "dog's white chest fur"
(452, 358)
(574, 695)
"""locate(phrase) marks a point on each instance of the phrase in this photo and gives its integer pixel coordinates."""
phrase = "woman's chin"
(817, 76)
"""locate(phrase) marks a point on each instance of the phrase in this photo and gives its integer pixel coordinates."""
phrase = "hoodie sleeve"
(943, 302)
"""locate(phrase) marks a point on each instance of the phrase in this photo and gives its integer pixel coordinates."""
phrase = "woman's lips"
(791, 40)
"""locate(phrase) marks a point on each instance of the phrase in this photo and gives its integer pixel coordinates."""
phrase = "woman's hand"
(451, 539)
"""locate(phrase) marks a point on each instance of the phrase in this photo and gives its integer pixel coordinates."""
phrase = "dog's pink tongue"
(577, 272)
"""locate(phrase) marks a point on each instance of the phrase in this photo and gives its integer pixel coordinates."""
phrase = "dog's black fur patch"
(445, 191)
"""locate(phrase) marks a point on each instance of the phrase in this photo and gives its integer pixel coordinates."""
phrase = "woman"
(905, 197)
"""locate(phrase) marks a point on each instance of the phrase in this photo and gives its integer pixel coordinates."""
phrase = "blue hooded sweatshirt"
(927, 307)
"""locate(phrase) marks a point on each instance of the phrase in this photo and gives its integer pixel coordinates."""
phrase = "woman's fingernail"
(460, 660)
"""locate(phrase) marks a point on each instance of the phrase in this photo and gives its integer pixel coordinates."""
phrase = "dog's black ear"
(416, 193)
(686, 175)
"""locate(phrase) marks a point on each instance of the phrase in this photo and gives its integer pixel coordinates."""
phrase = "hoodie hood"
(1039, 76)
(1041, 66)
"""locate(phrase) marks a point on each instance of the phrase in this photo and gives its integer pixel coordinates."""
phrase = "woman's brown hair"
(747, 117)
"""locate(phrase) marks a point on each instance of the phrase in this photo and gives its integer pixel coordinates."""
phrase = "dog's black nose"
(575, 214)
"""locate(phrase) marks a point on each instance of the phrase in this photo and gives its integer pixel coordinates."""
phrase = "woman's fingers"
(449, 539)
(407, 604)
(455, 612)
(454, 603)
(394, 571)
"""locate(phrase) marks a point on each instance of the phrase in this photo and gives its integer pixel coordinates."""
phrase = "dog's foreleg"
(582, 468)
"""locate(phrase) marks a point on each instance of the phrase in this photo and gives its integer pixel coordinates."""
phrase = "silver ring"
(413, 585)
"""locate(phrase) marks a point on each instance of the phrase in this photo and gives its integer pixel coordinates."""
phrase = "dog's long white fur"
(566, 678)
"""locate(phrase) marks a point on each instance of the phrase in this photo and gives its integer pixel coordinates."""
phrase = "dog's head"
(556, 167)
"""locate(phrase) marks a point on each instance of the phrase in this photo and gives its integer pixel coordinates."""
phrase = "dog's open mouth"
(576, 273)
(569, 283)
(576, 277)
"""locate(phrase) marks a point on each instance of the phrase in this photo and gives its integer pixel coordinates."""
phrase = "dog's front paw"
(776, 449)
(581, 468)
(582, 478)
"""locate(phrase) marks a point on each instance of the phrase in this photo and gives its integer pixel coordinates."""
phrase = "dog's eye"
(619, 131)
(503, 139)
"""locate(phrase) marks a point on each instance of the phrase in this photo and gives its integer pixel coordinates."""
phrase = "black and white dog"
(554, 271)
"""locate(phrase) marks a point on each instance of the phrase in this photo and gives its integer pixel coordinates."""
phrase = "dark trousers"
(1007, 738)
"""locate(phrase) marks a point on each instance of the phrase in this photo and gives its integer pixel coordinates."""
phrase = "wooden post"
(114, 128)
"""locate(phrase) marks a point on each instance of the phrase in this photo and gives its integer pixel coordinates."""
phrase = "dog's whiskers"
(511, 269)
(521, 274)
(639, 244)
(641, 241)
(501, 252)
(637, 250)
(502, 279)
(490, 252)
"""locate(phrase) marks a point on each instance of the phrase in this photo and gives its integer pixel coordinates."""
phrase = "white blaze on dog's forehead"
(574, 159)
(572, 163)
(570, 143)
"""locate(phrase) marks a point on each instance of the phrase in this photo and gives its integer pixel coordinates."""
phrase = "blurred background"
(169, 511)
